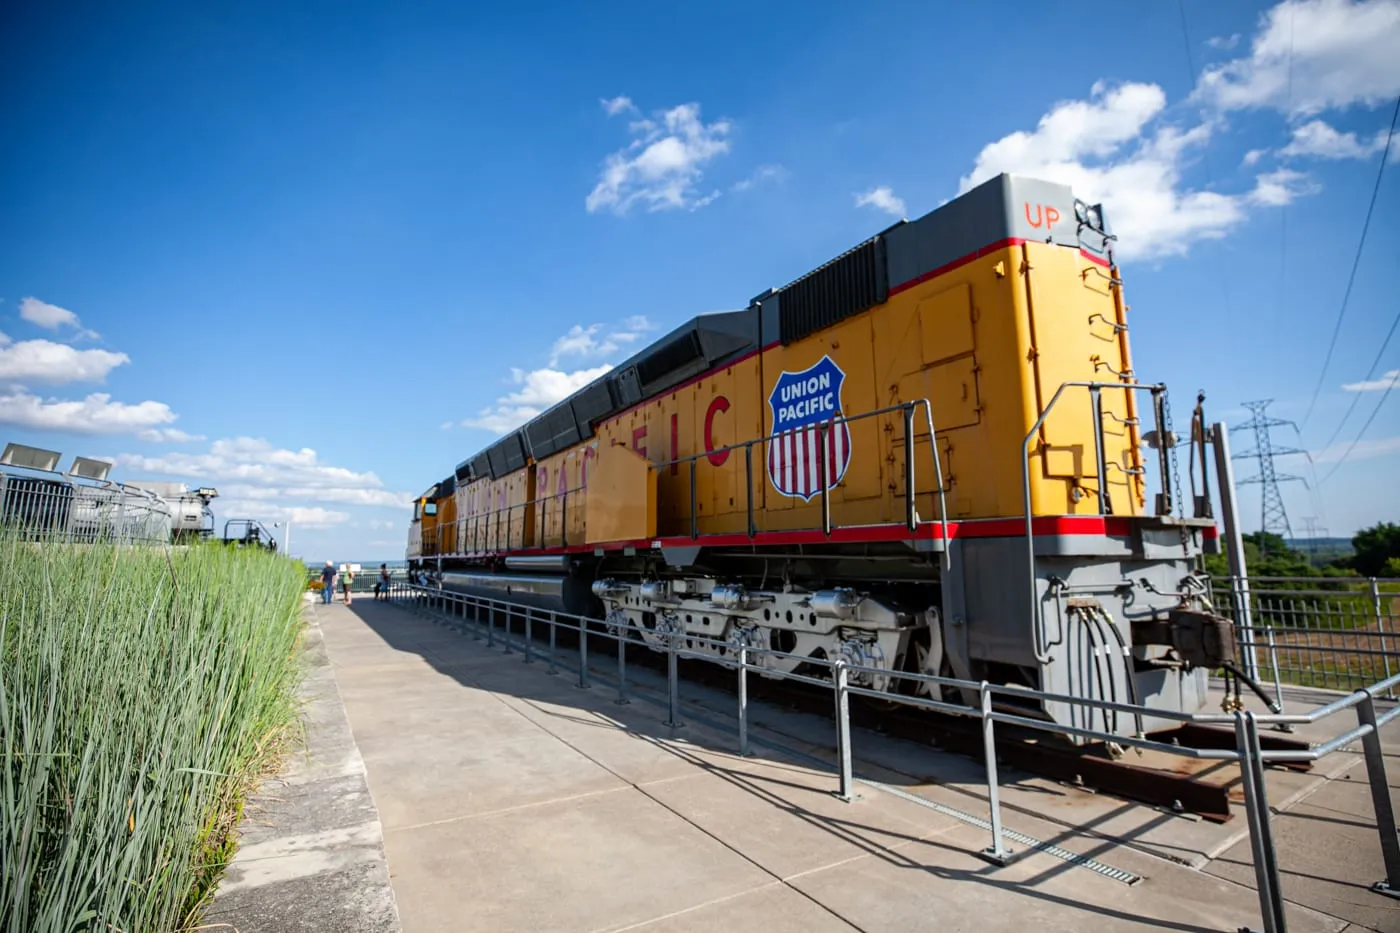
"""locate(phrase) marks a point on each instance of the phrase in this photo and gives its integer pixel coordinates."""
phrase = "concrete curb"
(311, 848)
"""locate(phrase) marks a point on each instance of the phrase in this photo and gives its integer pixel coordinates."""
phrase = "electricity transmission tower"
(1273, 516)
(1314, 530)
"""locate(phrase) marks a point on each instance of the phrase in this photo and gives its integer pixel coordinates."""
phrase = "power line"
(1356, 440)
(1375, 364)
(1351, 279)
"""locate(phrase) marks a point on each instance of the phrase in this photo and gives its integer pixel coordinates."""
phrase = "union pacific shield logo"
(800, 403)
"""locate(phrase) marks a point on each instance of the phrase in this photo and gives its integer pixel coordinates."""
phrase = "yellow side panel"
(945, 323)
(621, 496)
(462, 496)
(954, 341)
(1073, 343)
(520, 495)
(447, 524)
(428, 535)
(951, 389)
(561, 494)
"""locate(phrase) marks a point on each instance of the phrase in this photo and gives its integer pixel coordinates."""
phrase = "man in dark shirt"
(327, 582)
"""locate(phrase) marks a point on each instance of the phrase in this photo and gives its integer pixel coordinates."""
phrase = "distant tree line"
(1375, 553)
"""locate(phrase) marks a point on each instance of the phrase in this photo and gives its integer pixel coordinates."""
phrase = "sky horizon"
(235, 242)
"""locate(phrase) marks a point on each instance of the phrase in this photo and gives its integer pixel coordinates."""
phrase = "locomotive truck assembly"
(930, 454)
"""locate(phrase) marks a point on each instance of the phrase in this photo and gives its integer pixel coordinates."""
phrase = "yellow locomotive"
(929, 454)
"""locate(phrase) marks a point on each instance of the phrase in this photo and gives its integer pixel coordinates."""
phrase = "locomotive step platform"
(510, 799)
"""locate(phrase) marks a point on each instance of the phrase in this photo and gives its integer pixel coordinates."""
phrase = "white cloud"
(5, 339)
(252, 468)
(1391, 378)
(96, 414)
(1280, 187)
(1224, 43)
(662, 165)
(340, 495)
(52, 317)
(1364, 450)
(304, 517)
(598, 341)
(580, 341)
(883, 199)
(1075, 129)
(1310, 55)
(616, 105)
(1318, 138)
(1253, 156)
(46, 315)
(761, 174)
(1106, 150)
(55, 363)
(168, 436)
(537, 391)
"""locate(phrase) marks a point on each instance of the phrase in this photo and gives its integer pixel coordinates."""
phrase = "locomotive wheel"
(916, 661)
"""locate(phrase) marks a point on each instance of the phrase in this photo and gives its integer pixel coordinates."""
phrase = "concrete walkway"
(513, 800)
(311, 852)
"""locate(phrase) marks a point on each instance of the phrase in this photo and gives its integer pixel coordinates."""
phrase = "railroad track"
(1173, 782)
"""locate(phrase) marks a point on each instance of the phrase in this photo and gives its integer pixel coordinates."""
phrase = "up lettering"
(1044, 214)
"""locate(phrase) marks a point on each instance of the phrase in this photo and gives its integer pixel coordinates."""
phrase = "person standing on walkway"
(347, 577)
(384, 580)
(327, 582)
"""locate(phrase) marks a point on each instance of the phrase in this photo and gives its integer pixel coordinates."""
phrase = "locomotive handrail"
(495, 517)
(1157, 390)
(910, 485)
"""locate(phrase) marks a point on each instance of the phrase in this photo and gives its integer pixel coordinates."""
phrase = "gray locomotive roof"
(993, 212)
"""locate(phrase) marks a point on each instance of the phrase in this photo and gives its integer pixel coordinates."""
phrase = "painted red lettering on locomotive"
(588, 454)
(718, 405)
(563, 485)
(639, 435)
(542, 482)
(1044, 214)
(675, 445)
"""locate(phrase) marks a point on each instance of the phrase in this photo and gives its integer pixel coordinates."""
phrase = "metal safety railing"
(496, 529)
(1331, 632)
(744, 658)
(62, 507)
(364, 579)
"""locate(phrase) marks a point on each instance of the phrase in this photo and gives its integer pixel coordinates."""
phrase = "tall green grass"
(141, 690)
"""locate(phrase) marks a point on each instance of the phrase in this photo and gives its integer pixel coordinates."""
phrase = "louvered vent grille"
(851, 283)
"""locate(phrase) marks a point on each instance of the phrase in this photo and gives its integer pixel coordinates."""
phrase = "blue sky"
(237, 242)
